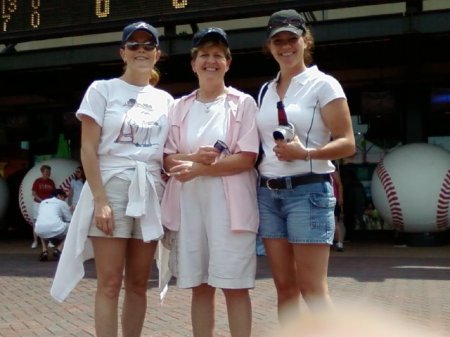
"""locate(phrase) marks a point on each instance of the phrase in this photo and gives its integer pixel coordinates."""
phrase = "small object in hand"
(222, 147)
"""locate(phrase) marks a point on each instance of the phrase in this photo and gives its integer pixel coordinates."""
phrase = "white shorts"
(208, 251)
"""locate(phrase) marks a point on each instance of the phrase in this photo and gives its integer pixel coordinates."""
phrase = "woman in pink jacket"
(210, 198)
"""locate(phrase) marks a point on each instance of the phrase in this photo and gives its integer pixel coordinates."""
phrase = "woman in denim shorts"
(300, 111)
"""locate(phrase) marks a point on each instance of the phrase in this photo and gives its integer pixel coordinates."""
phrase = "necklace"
(207, 105)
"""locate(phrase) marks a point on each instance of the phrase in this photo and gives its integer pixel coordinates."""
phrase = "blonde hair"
(154, 75)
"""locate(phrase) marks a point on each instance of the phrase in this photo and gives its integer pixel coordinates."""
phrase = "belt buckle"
(268, 184)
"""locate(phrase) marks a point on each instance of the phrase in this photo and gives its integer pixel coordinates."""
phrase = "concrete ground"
(413, 282)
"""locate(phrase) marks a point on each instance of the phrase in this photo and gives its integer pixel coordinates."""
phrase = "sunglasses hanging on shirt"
(285, 130)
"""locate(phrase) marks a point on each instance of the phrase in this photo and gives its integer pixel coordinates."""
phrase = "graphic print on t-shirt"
(138, 127)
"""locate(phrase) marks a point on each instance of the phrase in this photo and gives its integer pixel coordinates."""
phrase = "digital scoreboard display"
(23, 20)
(34, 19)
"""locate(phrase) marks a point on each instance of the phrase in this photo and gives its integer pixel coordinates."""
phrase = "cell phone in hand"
(221, 146)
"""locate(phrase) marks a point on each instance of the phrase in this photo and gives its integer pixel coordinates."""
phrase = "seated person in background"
(52, 222)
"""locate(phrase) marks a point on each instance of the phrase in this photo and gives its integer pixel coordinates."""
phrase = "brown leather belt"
(292, 181)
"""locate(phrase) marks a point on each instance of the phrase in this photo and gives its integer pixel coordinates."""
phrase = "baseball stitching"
(443, 203)
(23, 207)
(391, 193)
(65, 185)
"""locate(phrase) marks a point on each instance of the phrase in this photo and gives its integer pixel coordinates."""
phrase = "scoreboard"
(23, 20)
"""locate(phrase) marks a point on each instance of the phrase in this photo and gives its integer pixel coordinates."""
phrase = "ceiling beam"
(339, 31)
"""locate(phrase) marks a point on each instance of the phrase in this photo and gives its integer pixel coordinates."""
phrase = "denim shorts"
(303, 214)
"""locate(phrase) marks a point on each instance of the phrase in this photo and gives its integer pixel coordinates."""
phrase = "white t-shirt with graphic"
(133, 119)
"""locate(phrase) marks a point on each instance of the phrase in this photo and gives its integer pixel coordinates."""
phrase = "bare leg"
(312, 269)
(43, 244)
(202, 310)
(282, 264)
(109, 263)
(60, 246)
(336, 229)
(239, 310)
(341, 231)
(137, 272)
(34, 244)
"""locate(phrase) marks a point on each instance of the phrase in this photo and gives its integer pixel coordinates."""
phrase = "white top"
(54, 215)
(206, 123)
(76, 185)
(134, 129)
(308, 92)
(128, 114)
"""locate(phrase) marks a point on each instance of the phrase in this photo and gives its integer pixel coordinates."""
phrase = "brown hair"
(210, 43)
(45, 167)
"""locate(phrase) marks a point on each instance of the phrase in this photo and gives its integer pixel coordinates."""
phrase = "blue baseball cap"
(210, 33)
(141, 25)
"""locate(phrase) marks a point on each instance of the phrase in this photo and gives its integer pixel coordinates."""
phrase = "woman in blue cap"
(117, 219)
(300, 111)
(210, 198)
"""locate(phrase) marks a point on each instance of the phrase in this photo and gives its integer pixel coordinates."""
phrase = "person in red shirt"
(42, 189)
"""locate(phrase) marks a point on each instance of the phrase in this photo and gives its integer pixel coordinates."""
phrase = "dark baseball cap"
(287, 20)
(206, 34)
(141, 25)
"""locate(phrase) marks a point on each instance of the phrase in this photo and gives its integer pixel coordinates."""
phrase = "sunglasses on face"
(133, 46)
(297, 23)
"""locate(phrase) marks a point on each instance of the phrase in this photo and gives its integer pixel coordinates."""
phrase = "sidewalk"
(412, 281)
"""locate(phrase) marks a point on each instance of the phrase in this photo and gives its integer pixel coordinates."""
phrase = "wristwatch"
(308, 155)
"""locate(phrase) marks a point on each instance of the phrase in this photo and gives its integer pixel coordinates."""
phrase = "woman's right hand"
(103, 217)
(206, 155)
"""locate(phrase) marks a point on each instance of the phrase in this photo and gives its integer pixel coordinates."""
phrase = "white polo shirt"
(308, 92)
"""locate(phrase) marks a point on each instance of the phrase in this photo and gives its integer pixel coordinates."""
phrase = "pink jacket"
(240, 189)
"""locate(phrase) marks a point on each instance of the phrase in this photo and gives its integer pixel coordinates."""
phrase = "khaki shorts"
(125, 226)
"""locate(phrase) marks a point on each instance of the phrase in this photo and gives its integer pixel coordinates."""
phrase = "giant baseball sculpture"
(63, 171)
(411, 188)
